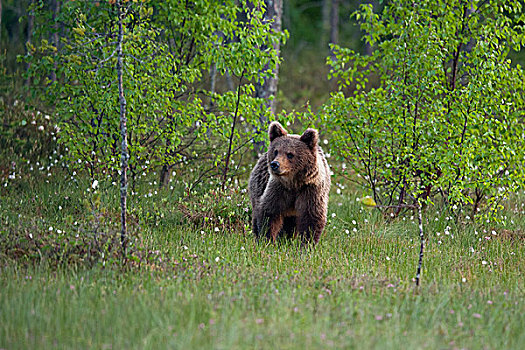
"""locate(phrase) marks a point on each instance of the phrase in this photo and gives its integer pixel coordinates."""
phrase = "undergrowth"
(195, 276)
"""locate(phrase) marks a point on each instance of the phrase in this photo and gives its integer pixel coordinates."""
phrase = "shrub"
(174, 118)
(446, 117)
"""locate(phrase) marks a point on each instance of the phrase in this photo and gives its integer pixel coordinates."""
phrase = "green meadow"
(192, 283)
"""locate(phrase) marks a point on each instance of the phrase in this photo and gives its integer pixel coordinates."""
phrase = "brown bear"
(289, 187)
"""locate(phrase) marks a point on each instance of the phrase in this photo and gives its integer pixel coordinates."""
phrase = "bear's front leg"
(255, 225)
(311, 217)
(272, 206)
(269, 220)
(271, 226)
(310, 226)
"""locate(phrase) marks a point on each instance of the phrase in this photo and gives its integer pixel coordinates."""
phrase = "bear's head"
(292, 158)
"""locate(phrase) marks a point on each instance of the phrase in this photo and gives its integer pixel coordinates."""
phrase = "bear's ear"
(276, 130)
(310, 137)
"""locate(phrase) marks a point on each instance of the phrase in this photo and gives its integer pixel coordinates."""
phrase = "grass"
(205, 282)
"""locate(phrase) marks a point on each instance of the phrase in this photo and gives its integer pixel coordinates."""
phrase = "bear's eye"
(289, 155)
(275, 153)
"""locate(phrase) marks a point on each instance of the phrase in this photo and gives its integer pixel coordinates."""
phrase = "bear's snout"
(274, 165)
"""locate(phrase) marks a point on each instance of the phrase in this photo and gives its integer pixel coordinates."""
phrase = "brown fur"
(293, 199)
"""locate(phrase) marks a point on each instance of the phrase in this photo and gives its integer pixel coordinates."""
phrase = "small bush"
(446, 117)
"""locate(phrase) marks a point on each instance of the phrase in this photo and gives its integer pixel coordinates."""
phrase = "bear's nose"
(274, 165)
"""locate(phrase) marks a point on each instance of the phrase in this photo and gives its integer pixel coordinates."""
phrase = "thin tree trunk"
(230, 143)
(229, 81)
(369, 50)
(326, 22)
(334, 25)
(30, 21)
(274, 11)
(334, 22)
(422, 246)
(165, 172)
(17, 32)
(165, 175)
(213, 72)
(0, 23)
(213, 82)
(56, 9)
(123, 134)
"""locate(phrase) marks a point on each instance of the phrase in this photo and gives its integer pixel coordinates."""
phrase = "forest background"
(420, 110)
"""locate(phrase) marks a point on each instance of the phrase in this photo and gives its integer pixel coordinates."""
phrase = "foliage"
(447, 114)
(169, 46)
(26, 133)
